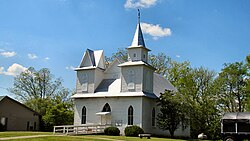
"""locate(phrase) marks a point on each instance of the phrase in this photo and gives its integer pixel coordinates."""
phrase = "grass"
(52, 137)
(22, 133)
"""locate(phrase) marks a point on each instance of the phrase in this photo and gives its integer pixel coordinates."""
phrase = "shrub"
(113, 131)
(133, 131)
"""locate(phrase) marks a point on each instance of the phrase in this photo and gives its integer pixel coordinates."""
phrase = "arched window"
(130, 115)
(84, 115)
(106, 108)
(153, 117)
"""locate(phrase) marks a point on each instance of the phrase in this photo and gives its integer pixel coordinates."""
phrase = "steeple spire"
(138, 40)
(139, 15)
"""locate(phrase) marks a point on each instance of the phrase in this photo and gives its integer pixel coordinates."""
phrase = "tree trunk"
(171, 133)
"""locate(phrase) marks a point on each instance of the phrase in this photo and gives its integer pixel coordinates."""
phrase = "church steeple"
(138, 37)
(138, 51)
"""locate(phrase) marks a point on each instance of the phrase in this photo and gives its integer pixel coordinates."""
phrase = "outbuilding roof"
(6, 97)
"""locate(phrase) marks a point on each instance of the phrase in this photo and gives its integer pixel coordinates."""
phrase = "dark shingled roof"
(104, 85)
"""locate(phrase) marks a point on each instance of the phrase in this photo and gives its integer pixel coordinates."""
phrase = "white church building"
(124, 93)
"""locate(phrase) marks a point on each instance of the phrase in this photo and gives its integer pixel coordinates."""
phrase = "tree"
(40, 91)
(121, 54)
(232, 91)
(36, 88)
(171, 116)
(160, 62)
(248, 84)
(58, 114)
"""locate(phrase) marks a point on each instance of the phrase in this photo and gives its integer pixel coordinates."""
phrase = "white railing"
(81, 129)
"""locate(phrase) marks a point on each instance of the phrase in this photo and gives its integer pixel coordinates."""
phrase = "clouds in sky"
(46, 58)
(7, 54)
(70, 68)
(13, 70)
(156, 31)
(139, 3)
(32, 56)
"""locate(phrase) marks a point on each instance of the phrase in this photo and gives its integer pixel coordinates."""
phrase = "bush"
(113, 131)
(133, 131)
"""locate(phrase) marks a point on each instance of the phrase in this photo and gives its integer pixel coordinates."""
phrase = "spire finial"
(139, 15)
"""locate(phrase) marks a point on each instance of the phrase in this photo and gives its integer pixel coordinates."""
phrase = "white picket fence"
(82, 129)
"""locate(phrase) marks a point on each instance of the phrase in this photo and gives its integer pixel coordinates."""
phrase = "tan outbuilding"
(14, 116)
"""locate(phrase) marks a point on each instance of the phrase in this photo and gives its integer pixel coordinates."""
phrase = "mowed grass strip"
(22, 133)
(75, 138)
(93, 138)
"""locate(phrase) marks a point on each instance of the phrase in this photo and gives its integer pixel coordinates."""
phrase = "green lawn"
(22, 133)
(52, 137)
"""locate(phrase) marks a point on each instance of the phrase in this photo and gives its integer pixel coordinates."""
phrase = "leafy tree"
(121, 54)
(248, 84)
(36, 88)
(160, 62)
(171, 115)
(45, 94)
(232, 90)
(204, 115)
(59, 114)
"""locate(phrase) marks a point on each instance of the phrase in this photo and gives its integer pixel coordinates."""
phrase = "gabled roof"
(160, 84)
(92, 59)
(6, 97)
(1, 97)
(113, 64)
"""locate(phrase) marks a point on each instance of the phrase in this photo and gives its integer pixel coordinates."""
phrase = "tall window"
(153, 117)
(106, 108)
(84, 115)
(130, 115)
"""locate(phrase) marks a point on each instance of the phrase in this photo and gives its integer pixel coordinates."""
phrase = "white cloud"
(8, 54)
(155, 30)
(47, 58)
(13, 70)
(139, 3)
(70, 68)
(1, 50)
(178, 56)
(32, 56)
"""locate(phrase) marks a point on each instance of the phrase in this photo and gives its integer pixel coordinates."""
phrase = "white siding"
(138, 74)
(98, 77)
(147, 107)
(113, 72)
(79, 81)
(119, 110)
(148, 79)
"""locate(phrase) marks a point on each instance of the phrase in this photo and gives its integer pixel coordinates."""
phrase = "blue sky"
(55, 33)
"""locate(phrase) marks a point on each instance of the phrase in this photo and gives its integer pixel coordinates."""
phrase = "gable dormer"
(88, 59)
(90, 71)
